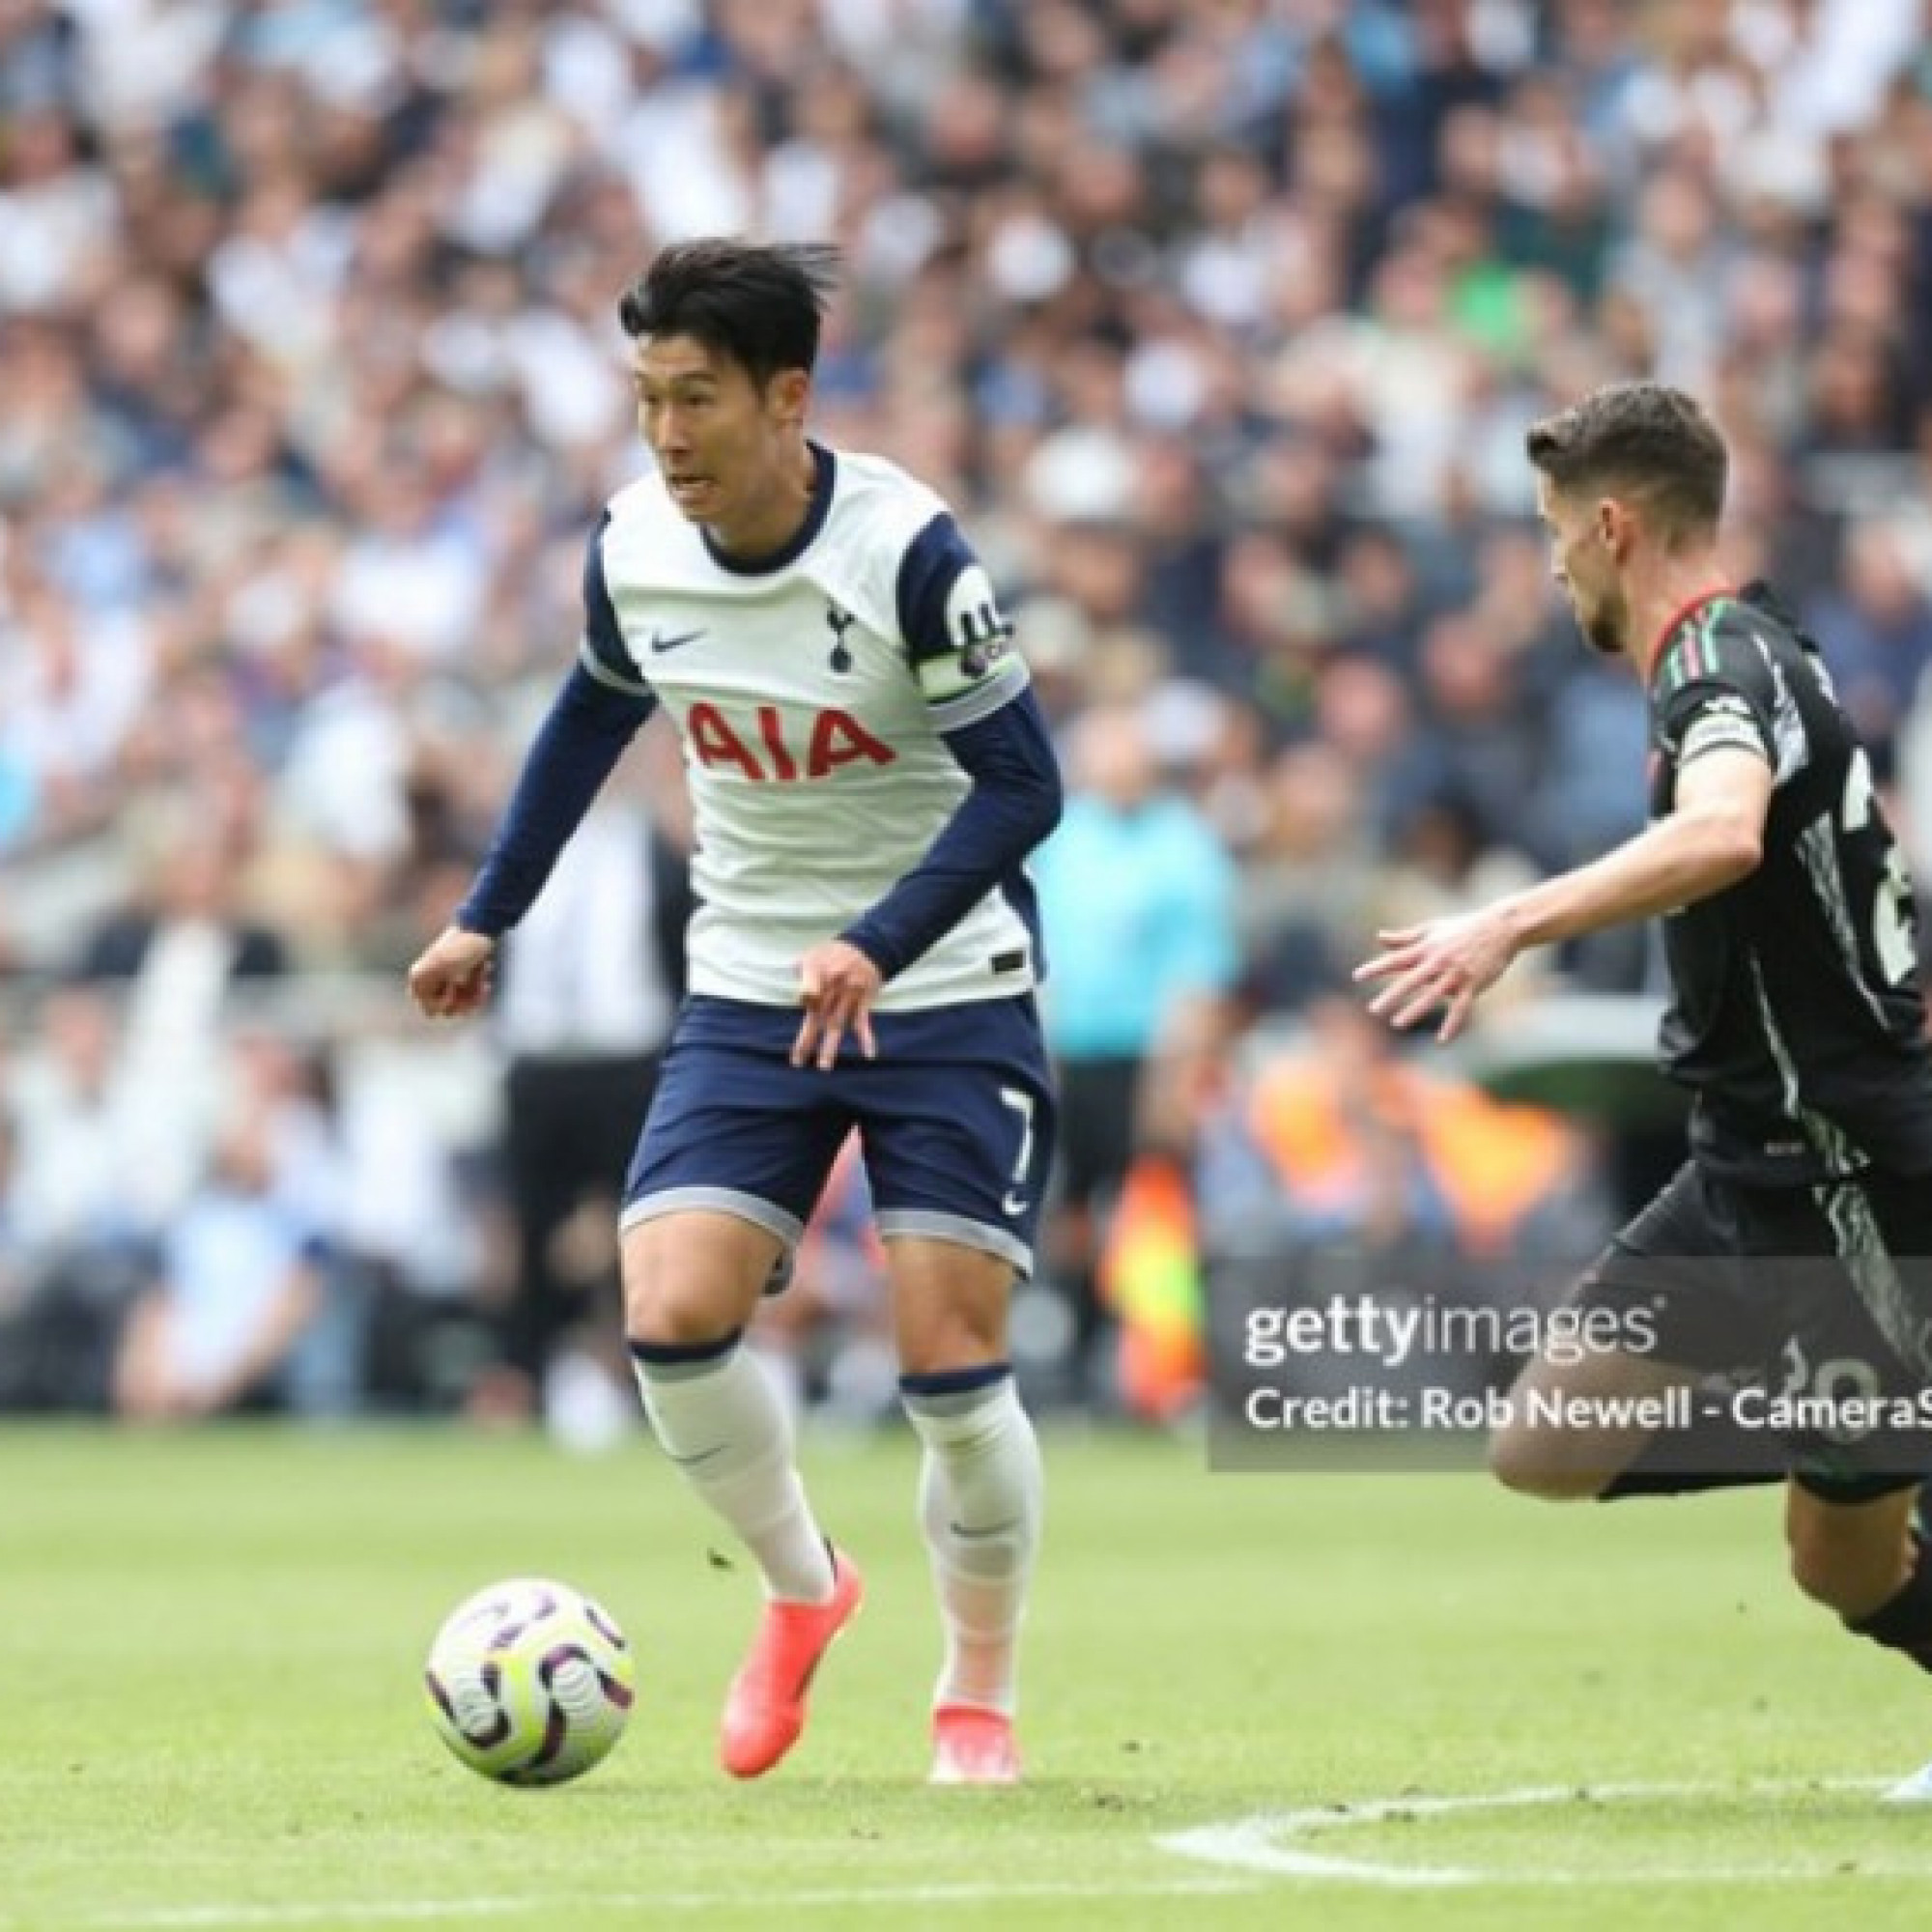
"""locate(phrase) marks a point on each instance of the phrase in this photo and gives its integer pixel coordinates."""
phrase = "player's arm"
(976, 694)
(1015, 803)
(1712, 837)
(979, 699)
(594, 716)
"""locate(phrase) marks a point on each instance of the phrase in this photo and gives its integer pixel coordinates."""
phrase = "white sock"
(724, 1423)
(981, 1499)
(786, 1373)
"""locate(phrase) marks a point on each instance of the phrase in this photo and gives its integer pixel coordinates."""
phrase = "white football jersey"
(809, 693)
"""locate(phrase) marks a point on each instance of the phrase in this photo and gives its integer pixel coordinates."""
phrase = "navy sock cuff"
(1904, 1620)
(956, 1381)
(684, 1354)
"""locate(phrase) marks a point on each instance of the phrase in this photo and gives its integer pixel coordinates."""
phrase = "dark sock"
(684, 1354)
(1904, 1621)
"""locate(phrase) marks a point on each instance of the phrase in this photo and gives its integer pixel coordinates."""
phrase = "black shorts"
(1812, 1304)
(1096, 1128)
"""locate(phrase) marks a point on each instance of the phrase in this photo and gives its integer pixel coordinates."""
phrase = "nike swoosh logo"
(682, 639)
(1014, 1204)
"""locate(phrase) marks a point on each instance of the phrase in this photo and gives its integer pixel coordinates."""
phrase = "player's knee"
(673, 1306)
(956, 1331)
(949, 1306)
(667, 1319)
(1535, 1463)
(949, 1338)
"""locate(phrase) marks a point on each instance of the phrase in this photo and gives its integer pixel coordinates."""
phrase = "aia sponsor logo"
(758, 749)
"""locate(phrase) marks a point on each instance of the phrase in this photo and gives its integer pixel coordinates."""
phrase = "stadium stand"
(1221, 323)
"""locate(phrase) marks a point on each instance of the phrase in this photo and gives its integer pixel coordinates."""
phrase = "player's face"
(1583, 563)
(727, 448)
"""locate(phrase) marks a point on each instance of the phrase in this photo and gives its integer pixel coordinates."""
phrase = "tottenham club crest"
(838, 622)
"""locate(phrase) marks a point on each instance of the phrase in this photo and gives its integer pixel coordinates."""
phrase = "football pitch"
(1370, 1701)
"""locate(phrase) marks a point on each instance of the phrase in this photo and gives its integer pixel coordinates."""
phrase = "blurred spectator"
(1311, 881)
(1221, 323)
(1876, 629)
(1482, 748)
(179, 951)
(61, 1305)
(1137, 902)
(98, 1169)
(188, 938)
(1590, 798)
(590, 980)
(239, 1283)
(1370, 1144)
(1444, 861)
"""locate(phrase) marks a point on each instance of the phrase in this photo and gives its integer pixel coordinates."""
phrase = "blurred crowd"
(1219, 321)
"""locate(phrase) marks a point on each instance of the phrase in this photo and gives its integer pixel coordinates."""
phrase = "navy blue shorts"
(955, 1122)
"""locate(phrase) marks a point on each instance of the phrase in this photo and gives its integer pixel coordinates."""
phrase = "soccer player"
(868, 770)
(1791, 1243)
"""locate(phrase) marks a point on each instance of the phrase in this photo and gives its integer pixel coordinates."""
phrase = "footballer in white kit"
(815, 696)
(810, 694)
(868, 770)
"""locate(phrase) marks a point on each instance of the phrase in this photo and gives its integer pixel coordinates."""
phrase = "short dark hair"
(1647, 438)
(760, 303)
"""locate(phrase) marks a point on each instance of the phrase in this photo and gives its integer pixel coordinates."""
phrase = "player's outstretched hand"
(453, 978)
(1446, 964)
(836, 986)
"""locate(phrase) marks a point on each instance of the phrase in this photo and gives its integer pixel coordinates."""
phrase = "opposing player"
(868, 770)
(1792, 1245)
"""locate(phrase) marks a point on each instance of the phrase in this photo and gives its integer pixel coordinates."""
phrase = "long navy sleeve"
(573, 753)
(1015, 803)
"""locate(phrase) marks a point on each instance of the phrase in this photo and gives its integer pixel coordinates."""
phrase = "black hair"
(758, 304)
(1648, 439)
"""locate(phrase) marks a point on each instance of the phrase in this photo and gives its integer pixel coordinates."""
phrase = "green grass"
(210, 1704)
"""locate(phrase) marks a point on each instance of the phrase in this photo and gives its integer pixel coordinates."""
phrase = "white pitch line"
(1251, 1845)
(1256, 1843)
(404, 1911)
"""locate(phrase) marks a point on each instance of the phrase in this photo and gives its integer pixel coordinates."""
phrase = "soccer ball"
(529, 1682)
